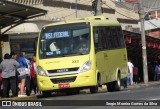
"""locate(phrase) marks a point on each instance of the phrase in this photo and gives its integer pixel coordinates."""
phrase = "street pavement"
(140, 92)
(86, 91)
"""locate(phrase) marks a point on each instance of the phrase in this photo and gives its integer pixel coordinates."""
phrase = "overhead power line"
(122, 5)
(150, 7)
(119, 12)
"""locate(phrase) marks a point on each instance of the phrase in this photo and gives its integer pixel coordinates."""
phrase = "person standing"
(14, 56)
(0, 79)
(27, 83)
(33, 75)
(22, 74)
(135, 74)
(8, 67)
(156, 71)
(130, 68)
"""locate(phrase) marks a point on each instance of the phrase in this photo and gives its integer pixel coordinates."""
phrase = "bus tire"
(114, 86)
(46, 93)
(118, 83)
(110, 87)
(94, 89)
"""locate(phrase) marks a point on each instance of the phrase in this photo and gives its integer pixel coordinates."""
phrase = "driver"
(83, 46)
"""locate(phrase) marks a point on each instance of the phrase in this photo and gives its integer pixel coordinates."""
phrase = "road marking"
(48, 99)
(155, 99)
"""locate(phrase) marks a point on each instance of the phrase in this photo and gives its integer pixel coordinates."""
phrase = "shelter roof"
(13, 14)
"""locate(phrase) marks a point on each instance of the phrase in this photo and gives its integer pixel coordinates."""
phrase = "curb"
(151, 83)
(101, 90)
(21, 98)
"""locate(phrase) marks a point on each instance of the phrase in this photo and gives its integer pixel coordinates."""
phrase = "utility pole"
(143, 40)
(98, 10)
(76, 7)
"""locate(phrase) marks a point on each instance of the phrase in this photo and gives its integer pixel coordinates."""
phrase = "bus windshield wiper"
(82, 53)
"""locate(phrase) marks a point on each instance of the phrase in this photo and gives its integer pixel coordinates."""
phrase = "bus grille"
(63, 70)
(63, 80)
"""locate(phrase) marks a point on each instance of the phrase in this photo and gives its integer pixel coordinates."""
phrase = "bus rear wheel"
(111, 86)
(118, 83)
(114, 86)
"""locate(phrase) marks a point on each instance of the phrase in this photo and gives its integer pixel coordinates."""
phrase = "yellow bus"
(81, 53)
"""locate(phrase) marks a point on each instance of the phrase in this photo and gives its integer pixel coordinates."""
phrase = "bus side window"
(97, 39)
(121, 37)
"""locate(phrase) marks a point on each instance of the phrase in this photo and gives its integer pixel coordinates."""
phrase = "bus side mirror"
(43, 43)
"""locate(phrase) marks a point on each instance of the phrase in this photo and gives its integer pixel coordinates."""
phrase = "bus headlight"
(87, 66)
(41, 71)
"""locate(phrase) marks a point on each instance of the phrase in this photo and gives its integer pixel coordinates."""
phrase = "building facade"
(19, 36)
(152, 15)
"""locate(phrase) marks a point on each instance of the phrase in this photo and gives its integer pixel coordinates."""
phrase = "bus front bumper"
(84, 79)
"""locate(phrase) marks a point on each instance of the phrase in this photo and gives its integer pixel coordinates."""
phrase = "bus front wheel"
(46, 93)
(94, 89)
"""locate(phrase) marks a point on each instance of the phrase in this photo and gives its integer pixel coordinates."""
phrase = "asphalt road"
(139, 93)
(143, 94)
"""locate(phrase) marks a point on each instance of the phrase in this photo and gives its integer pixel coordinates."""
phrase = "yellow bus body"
(108, 64)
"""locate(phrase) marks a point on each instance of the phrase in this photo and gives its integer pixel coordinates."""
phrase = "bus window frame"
(118, 29)
(63, 25)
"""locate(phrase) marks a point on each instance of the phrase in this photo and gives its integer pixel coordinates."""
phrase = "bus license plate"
(64, 85)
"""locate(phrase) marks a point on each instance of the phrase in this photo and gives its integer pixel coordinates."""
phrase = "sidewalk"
(103, 89)
(151, 83)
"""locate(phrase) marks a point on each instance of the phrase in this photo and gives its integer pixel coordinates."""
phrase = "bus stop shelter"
(13, 14)
(134, 51)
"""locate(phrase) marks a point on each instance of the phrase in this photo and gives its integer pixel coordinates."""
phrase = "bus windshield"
(64, 40)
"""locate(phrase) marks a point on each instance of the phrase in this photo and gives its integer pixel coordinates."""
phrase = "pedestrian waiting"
(8, 67)
(130, 72)
(22, 74)
(33, 75)
(156, 71)
(135, 74)
(27, 83)
(0, 79)
(14, 56)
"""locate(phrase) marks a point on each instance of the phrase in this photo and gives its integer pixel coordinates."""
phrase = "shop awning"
(12, 14)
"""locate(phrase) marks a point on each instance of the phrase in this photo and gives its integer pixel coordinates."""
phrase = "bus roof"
(94, 20)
